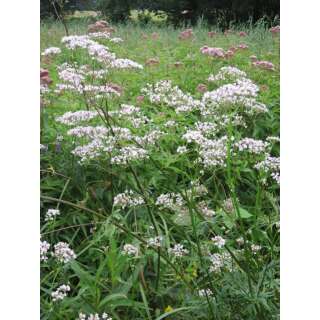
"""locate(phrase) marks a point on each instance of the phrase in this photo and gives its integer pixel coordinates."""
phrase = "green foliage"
(115, 10)
(102, 279)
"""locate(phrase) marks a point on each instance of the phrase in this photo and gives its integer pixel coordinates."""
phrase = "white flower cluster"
(150, 138)
(130, 250)
(74, 118)
(170, 201)
(104, 90)
(241, 93)
(63, 253)
(163, 92)
(255, 248)
(128, 110)
(218, 241)
(197, 189)
(44, 88)
(74, 41)
(106, 141)
(125, 64)
(214, 152)
(178, 250)
(252, 146)
(43, 147)
(270, 165)
(127, 199)
(101, 53)
(60, 293)
(101, 140)
(71, 75)
(51, 51)
(224, 120)
(155, 242)
(76, 74)
(205, 292)
(218, 261)
(170, 124)
(99, 35)
(98, 51)
(195, 136)
(128, 154)
(90, 151)
(228, 205)
(205, 210)
(116, 40)
(51, 214)
(97, 74)
(89, 132)
(206, 128)
(273, 139)
(44, 248)
(182, 149)
(133, 114)
(95, 316)
(228, 73)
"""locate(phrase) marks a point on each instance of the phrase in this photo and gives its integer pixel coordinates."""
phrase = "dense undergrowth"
(160, 199)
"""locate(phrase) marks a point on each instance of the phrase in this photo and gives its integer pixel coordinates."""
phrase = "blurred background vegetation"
(222, 13)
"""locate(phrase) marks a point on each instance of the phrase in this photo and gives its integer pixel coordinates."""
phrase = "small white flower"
(155, 242)
(51, 214)
(130, 250)
(60, 293)
(182, 149)
(218, 241)
(240, 241)
(127, 199)
(51, 51)
(205, 292)
(44, 248)
(63, 253)
(255, 248)
(178, 250)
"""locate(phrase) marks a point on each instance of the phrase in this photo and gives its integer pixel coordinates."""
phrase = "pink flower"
(44, 77)
(155, 35)
(115, 87)
(242, 34)
(242, 46)
(229, 54)
(152, 61)
(213, 52)
(186, 34)
(275, 30)
(140, 99)
(202, 88)
(267, 65)
(233, 49)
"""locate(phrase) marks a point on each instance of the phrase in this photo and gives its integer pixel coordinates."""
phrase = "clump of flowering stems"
(267, 65)
(126, 137)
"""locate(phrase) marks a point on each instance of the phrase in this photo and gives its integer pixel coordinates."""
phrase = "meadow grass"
(154, 284)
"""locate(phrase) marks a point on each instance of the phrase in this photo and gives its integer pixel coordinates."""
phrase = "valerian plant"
(160, 182)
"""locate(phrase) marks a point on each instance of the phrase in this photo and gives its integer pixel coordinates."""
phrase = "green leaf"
(244, 214)
(112, 297)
